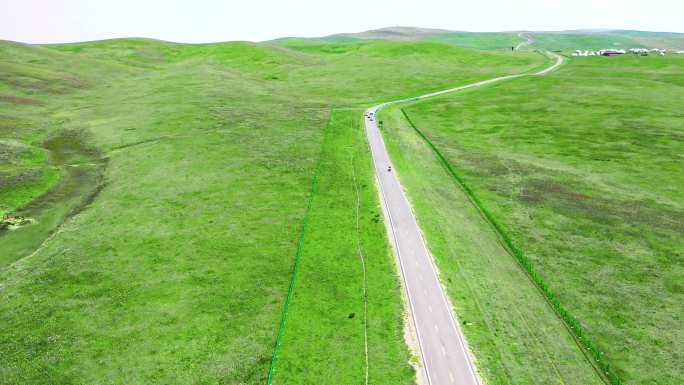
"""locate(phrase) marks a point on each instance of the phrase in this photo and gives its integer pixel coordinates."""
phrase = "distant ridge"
(587, 38)
(410, 33)
(394, 33)
(620, 32)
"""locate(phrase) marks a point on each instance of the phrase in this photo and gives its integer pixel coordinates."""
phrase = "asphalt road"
(442, 345)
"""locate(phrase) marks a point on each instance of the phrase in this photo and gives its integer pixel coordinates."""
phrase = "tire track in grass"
(363, 265)
(541, 346)
(298, 254)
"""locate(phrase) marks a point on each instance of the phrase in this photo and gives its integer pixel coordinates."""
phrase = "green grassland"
(169, 184)
(480, 40)
(582, 168)
(25, 165)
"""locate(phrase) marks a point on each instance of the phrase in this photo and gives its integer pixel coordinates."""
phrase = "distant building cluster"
(616, 52)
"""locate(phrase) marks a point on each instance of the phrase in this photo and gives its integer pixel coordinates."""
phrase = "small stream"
(83, 169)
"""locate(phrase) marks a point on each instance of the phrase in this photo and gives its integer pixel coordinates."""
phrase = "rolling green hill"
(179, 199)
(394, 33)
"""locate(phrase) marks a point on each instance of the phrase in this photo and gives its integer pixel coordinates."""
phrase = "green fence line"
(606, 371)
(298, 255)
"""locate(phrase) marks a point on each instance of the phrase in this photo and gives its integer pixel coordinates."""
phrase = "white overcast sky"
(43, 21)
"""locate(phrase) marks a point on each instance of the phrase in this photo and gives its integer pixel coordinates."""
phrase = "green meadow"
(480, 40)
(582, 170)
(170, 185)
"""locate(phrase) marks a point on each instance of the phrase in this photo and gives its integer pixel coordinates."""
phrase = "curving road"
(527, 43)
(442, 346)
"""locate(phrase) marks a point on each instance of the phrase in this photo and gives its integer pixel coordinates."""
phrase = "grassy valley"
(170, 185)
(208, 213)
